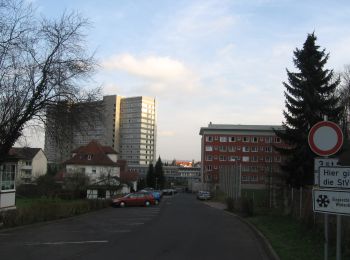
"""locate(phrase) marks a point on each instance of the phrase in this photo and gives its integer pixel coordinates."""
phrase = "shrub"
(230, 204)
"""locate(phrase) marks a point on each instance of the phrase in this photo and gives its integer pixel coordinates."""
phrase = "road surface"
(181, 227)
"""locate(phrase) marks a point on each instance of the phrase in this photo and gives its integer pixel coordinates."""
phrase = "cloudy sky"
(205, 61)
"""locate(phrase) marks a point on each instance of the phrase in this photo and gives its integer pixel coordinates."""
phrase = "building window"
(28, 163)
(246, 139)
(231, 149)
(208, 148)
(222, 158)
(268, 140)
(216, 138)
(93, 170)
(232, 158)
(222, 148)
(246, 149)
(268, 159)
(7, 177)
(254, 139)
(209, 138)
(215, 157)
(223, 139)
(277, 158)
(209, 167)
(254, 149)
(209, 158)
(245, 158)
(255, 158)
(232, 139)
(268, 149)
(89, 156)
(277, 140)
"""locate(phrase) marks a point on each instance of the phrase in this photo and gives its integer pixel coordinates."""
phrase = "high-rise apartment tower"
(127, 124)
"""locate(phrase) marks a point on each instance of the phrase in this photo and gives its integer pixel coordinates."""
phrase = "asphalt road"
(179, 228)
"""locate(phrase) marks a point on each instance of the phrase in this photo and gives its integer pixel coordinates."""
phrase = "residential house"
(31, 163)
(99, 164)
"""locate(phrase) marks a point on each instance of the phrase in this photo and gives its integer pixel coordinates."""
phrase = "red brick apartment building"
(250, 146)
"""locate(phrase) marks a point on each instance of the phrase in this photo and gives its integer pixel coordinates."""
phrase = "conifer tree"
(310, 95)
(159, 173)
(150, 177)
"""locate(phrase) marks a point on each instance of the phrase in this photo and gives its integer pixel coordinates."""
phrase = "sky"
(204, 61)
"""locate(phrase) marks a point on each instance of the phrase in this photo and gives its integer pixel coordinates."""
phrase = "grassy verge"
(290, 239)
(38, 210)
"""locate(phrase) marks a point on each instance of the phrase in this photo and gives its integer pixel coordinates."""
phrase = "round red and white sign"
(325, 138)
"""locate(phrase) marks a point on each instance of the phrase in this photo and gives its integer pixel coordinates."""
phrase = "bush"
(230, 204)
(49, 210)
(243, 206)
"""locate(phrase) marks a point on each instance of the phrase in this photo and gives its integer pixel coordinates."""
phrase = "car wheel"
(147, 203)
(122, 204)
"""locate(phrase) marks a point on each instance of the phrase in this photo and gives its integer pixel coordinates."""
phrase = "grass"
(290, 239)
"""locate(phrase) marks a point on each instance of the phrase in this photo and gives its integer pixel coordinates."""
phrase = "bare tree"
(344, 94)
(42, 64)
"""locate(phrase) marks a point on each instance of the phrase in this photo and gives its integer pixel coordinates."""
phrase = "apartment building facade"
(251, 147)
(127, 124)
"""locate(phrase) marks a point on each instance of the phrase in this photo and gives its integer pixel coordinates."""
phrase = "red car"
(134, 199)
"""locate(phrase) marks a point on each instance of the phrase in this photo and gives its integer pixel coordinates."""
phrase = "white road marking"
(135, 224)
(66, 242)
(119, 231)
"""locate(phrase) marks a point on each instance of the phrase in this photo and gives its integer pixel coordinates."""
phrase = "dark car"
(135, 199)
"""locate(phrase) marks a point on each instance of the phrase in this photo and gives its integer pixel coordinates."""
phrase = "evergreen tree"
(159, 174)
(310, 95)
(150, 178)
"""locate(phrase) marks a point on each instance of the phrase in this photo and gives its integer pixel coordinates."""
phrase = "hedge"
(49, 210)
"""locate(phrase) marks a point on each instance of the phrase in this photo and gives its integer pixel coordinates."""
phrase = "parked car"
(169, 191)
(203, 195)
(135, 199)
(155, 193)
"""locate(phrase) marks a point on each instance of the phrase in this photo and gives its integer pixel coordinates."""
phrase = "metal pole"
(325, 236)
(338, 237)
(300, 200)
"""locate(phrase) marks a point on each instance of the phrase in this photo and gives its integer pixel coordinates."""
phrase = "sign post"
(325, 139)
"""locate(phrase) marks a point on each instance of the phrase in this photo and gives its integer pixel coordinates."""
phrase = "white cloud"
(158, 74)
(152, 67)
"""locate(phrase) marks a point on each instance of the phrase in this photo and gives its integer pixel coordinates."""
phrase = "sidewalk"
(217, 205)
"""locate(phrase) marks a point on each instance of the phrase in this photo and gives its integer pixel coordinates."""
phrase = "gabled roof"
(25, 153)
(105, 149)
(92, 154)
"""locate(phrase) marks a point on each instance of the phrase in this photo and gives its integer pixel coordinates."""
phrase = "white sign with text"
(331, 201)
(334, 177)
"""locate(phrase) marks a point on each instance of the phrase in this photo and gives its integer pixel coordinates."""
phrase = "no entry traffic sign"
(325, 138)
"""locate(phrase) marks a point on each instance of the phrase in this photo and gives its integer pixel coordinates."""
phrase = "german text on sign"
(331, 201)
(334, 177)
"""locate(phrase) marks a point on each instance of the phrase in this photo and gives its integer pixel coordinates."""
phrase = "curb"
(264, 241)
